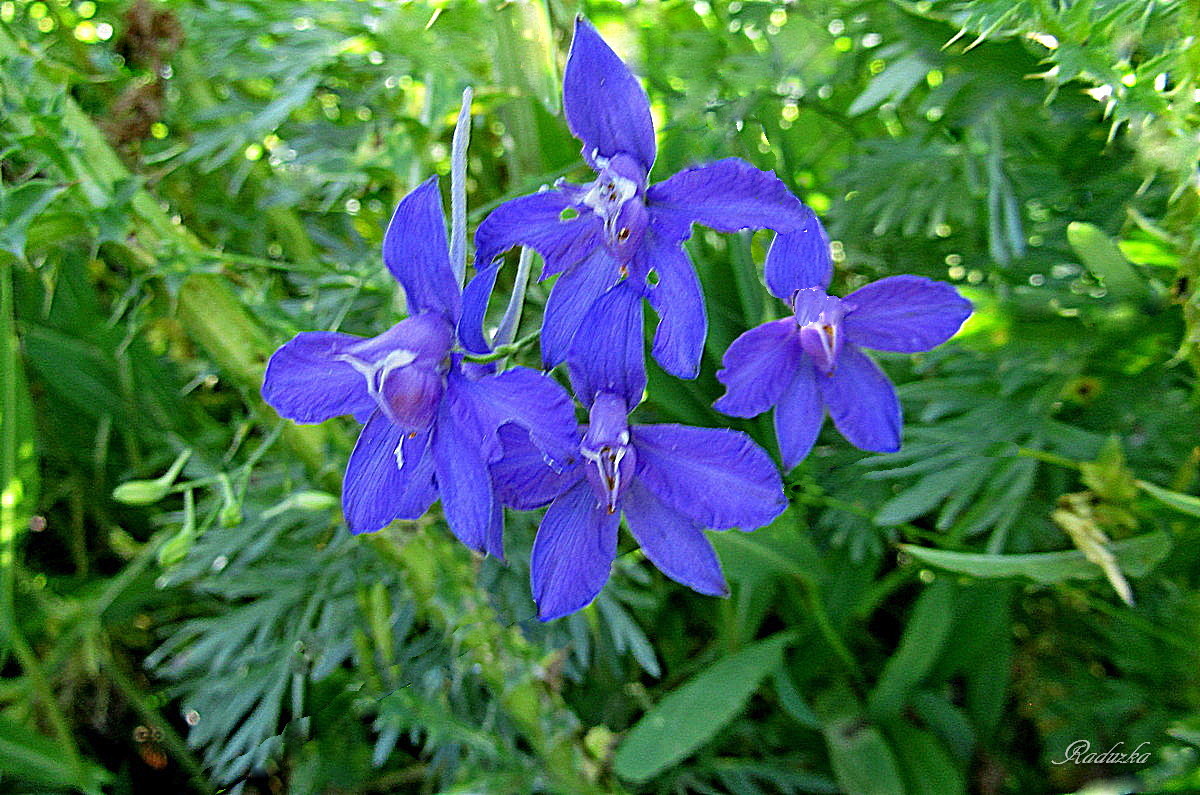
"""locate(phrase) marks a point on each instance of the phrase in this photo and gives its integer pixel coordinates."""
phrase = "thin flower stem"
(816, 606)
(1049, 458)
(32, 669)
(512, 314)
(458, 188)
(150, 715)
(503, 351)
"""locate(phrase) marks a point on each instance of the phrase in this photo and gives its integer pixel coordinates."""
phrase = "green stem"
(882, 589)
(9, 522)
(58, 722)
(1047, 457)
(442, 578)
(151, 717)
(504, 351)
(812, 598)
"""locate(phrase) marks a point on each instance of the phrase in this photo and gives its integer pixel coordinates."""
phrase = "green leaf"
(29, 757)
(928, 766)
(627, 636)
(214, 316)
(689, 716)
(792, 702)
(1108, 476)
(18, 460)
(1184, 503)
(1135, 556)
(924, 495)
(527, 40)
(892, 84)
(860, 755)
(18, 209)
(926, 632)
(782, 548)
(1104, 259)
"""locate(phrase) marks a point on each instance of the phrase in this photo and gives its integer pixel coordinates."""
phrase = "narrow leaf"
(1184, 503)
(689, 716)
(860, 755)
(894, 83)
(925, 633)
(1134, 555)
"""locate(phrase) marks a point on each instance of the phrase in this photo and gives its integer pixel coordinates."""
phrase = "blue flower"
(619, 226)
(809, 363)
(669, 481)
(431, 418)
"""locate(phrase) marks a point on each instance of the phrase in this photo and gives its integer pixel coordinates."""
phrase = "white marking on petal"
(399, 453)
(365, 369)
(605, 200)
(398, 358)
(377, 373)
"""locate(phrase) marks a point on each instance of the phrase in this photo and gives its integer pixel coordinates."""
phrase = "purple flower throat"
(606, 447)
(819, 319)
(406, 382)
(618, 197)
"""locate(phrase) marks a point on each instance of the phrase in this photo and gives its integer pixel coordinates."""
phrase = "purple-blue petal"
(381, 485)
(862, 402)
(716, 477)
(410, 396)
(522, 478)
(548, 222)
(494, 542)
(463, 481)
(608, 353)
(673, 542)
(475, 299)
(758, 367)
(799, 260)
(571, 298)
(679, 302)
(726, 195)
(519, 395)
(573, 552)
(306, 382)
(428, 336)
(415, 251)
(799, 415)
(905, 314)
(606, 107)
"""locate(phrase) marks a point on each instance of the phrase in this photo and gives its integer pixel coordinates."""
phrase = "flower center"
(607, 450)
(616, 197)
(406, 387)
(819, 319)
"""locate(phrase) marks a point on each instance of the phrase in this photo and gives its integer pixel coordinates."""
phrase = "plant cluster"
(441, 426)
(187, 185)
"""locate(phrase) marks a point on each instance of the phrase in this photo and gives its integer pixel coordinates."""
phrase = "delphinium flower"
(619, 226)
(669, 481)
(811, 362)
(431, 417)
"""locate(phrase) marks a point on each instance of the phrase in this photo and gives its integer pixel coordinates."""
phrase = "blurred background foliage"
(186, 184)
